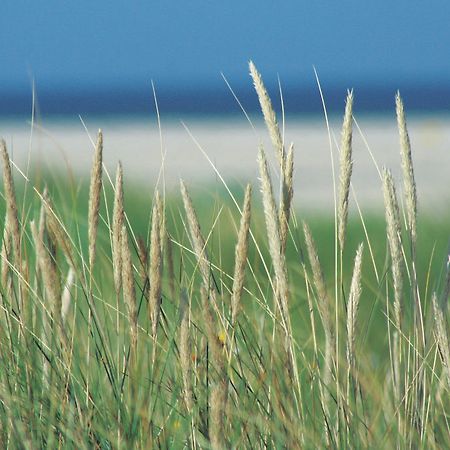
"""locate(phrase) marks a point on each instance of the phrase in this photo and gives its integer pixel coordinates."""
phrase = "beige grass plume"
(155, 271)
(273, 234)
(50, 276)
(286, 197)
(143, 268)
(281, 290)
(198, 242)
(346, 167)
(42, 213)
(94, 198)
(409, 183)
(394, 239)
(117, 224)
(240, 258)
(11, 203)
(352, 307)
(56, 229)
(170, 265)
(129, 293)
(6, 258)
(269, 114)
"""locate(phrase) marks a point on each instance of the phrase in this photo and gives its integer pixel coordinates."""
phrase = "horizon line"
(209, 100)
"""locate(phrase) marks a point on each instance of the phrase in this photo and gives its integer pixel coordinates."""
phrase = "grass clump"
(225, 326)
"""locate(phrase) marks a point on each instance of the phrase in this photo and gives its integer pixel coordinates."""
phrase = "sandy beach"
(232, 146)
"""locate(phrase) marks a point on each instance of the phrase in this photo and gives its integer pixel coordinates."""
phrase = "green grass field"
(134, 320)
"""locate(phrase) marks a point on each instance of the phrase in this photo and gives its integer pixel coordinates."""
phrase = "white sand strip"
(233, 145)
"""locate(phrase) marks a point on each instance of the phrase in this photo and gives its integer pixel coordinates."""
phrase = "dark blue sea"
(217, 101)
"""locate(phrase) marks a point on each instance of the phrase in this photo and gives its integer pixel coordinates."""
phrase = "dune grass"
(133, 319)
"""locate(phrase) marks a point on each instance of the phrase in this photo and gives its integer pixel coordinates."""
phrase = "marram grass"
(222, 327)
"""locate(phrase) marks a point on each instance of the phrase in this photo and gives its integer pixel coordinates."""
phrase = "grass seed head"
(269, 114)
(50, 276)
(352, 306)
(394, 239)
(409, 183)
(273, 233)
(286, 197)
(155, 275)
(346, 167)
(11, 203)
(129, 293)
(117, 224)
(240, 258)
(198, 242)
(94, 198)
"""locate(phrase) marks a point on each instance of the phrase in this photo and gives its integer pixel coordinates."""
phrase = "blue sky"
(129, 42)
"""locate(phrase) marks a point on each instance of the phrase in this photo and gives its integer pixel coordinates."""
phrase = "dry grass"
(94, 198)
(240, 259)
(212, 330)
(346, 167)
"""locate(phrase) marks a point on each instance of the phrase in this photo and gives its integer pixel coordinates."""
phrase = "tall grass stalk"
(240, 259)
(155, 274)
(394, 240)
(346, 167)
(352, 312)
(324, 306)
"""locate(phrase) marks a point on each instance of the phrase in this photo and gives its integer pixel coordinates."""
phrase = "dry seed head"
(198, 243)
(155, 274)
(162, 221)
(42, 224)
(273, 233)
(6, 254)
(394, 240)
(286, 198)
(143, 259)
(346, 167)
(11, 204)
(352, 306)
(94, 198)
(269, 114)
(409, 182)
(240, 258)
(57, 231)
(117, 224)
(42, 214)
(129, 293)
(318, 277)
(49, 273)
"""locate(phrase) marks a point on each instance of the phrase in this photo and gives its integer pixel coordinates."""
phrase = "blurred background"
(98, 60)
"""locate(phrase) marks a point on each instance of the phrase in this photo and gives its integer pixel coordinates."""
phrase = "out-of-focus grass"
(218, 217)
